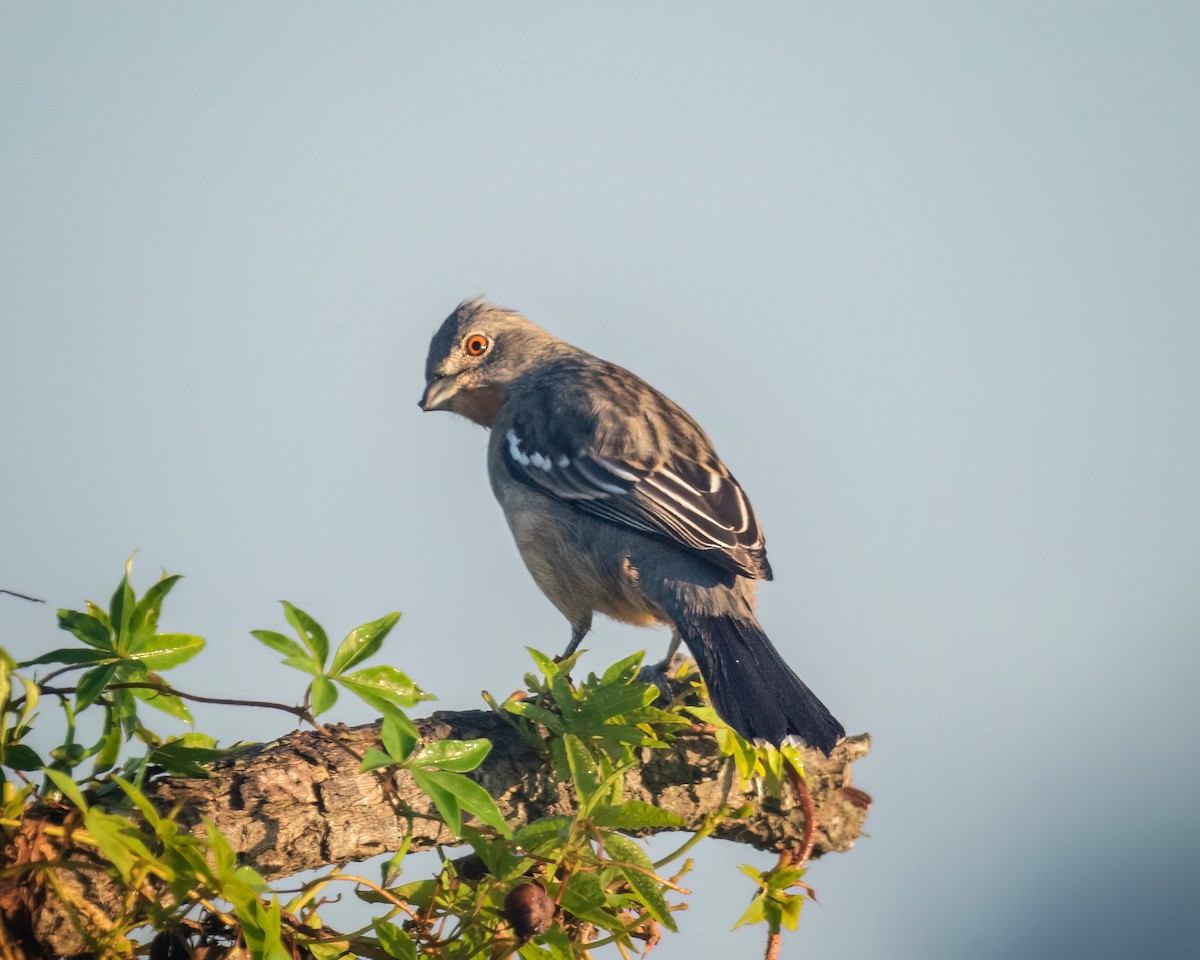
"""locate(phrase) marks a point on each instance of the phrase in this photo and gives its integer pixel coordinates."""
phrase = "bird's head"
(477, 352)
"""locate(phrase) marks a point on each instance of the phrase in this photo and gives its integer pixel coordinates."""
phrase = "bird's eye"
(476, 344)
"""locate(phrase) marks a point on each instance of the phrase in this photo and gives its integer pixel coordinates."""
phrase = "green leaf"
(547, 830)
(399, 735)
(120, 610)
(324, 695)
(294, 655)
(789, 909)
(623, 670)
(445, 800)
(67, 787)
(17, 756)
(168, 703)
(92, 684)
(117, 840)
(585, 775)
(559, 943)
(390, 869)
(179, 759)
(166, 650)
(755, 913)
(87, 628)
(637, 815)
(499, 860)
(98, 613)
(545, 664)
(644, 886)
(384, 683)
(610, 702)
(469, 795)
(262, 930)
(109, 745)
(310, 632)
(374, 759)
(584, 898)
(362, 642)
(144, 621)
(69, 656)
(395, 942)
(457, 756)
(526, 708)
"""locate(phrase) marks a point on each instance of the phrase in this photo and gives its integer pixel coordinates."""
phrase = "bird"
(619, 505)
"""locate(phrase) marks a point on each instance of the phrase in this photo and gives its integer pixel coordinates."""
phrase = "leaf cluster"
(594, 883)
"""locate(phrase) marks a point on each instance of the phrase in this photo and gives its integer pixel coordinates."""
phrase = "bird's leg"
(665, 663)
(579, 630)
(656, 673)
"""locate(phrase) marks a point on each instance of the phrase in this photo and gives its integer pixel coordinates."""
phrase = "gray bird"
(619, 505)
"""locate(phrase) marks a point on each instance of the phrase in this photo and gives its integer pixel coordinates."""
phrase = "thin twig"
(810, 816)
(21, 596)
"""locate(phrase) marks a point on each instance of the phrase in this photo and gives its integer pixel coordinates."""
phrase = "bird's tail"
(751, 686)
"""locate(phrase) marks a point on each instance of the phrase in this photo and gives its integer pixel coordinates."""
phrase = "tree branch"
(300, 802)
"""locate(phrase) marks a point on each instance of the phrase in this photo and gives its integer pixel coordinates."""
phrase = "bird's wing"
(644, 464)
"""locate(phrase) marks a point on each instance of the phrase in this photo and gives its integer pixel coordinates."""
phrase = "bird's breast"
(576, 560)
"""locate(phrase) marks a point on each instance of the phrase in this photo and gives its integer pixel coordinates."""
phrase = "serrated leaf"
(469, 795)
(86, 628)
(309, 631)
(384, 683)
(92, 684)
(324, 695)
(166, 650)
(637, 815)
(457, 756)
(362, 642)
(644, 885)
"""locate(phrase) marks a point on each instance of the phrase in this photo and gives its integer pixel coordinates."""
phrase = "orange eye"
(476, 344)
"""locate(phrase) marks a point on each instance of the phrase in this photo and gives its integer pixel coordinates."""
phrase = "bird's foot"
(658, 674)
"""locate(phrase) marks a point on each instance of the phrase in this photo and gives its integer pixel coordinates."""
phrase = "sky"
(926, 273)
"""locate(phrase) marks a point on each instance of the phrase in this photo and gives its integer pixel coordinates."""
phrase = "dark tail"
(751, 686)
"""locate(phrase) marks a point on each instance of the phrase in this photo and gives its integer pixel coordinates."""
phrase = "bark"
(300, 803)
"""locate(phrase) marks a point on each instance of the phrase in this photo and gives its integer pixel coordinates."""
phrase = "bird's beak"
(437, 392)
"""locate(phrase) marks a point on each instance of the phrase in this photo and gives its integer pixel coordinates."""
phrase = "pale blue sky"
(927, 273)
